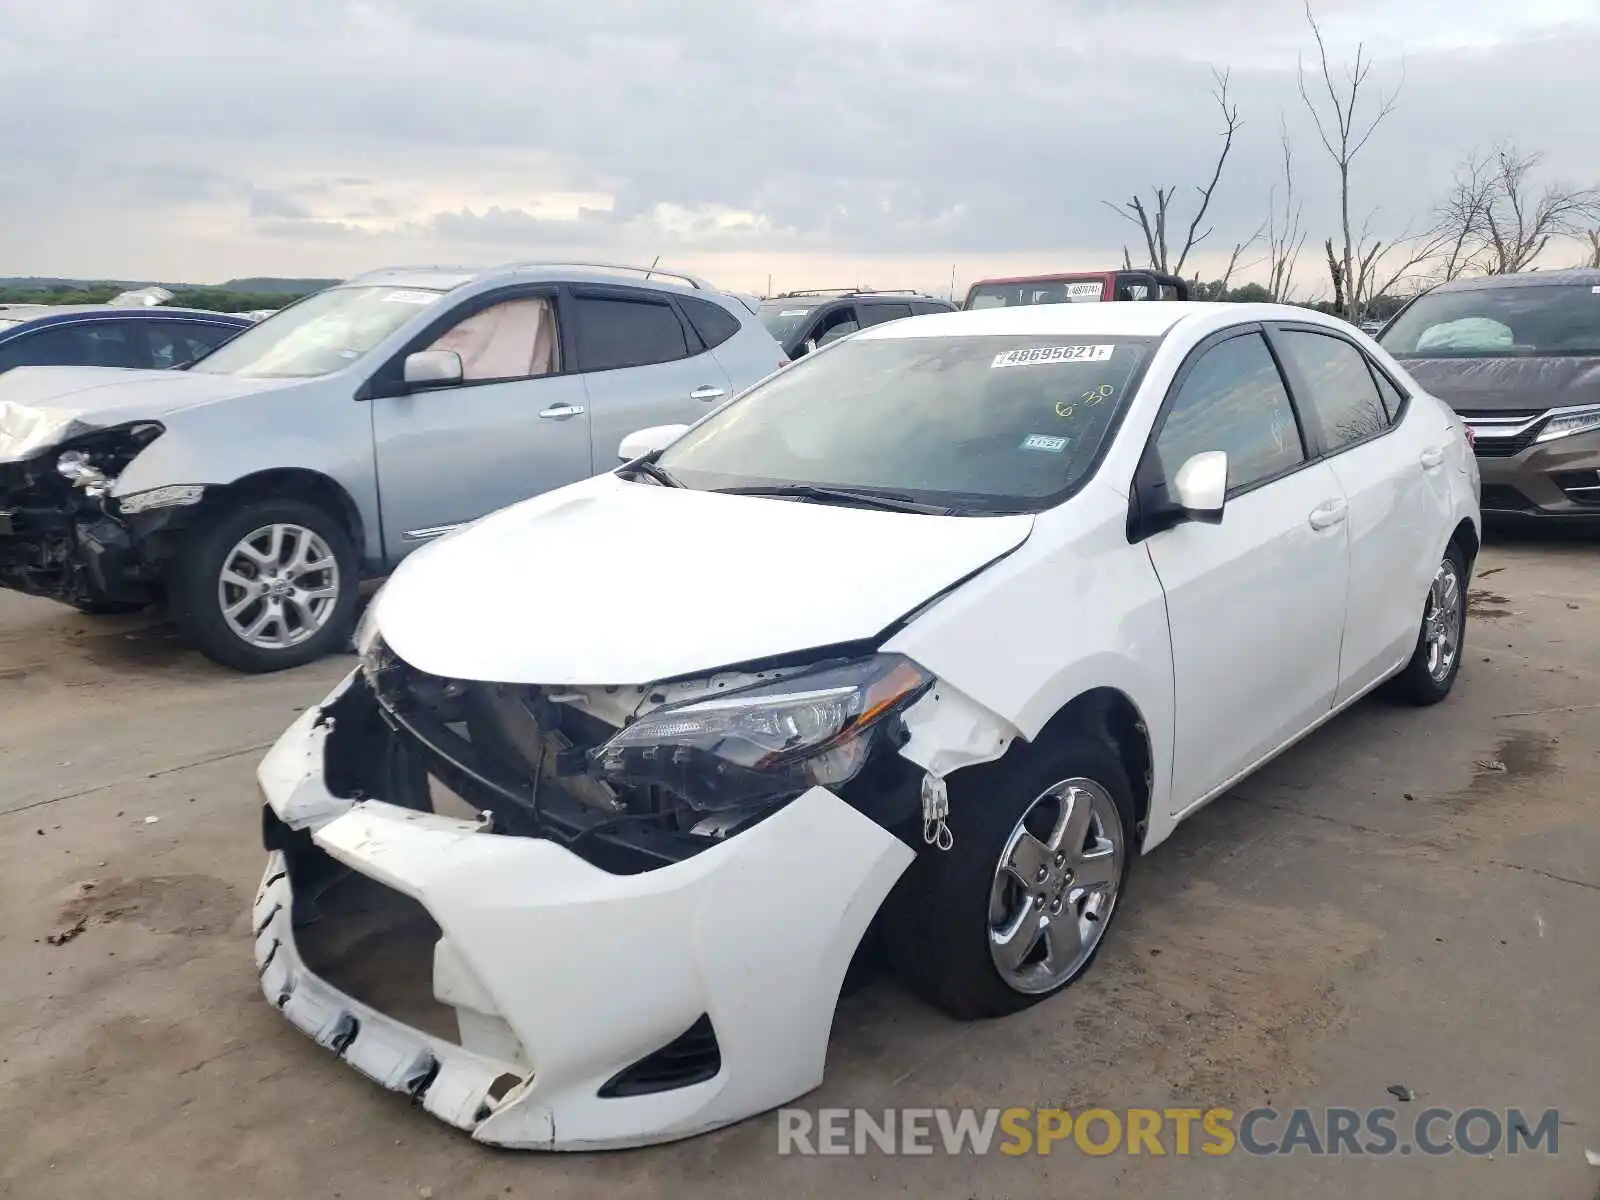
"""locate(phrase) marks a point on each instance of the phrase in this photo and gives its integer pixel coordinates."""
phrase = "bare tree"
(1285, 238)
(1517, 225)
(1493, 220)
(1344, 135)
(1154, 219)
(1593, 235)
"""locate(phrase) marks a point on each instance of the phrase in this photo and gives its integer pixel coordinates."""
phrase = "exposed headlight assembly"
(768, 741)
(1565, 422)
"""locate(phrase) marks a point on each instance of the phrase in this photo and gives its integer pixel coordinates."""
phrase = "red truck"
(1079, 287)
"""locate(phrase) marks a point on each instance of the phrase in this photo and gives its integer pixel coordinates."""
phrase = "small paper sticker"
(1085, 291)
(405, 297)
(1043, 441)
(1595, 290)
(1051, 354)
(800, 312)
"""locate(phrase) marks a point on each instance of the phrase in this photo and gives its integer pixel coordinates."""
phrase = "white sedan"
(921, 639)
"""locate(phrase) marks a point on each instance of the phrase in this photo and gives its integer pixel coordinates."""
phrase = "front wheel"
(267, 585)
(1018, 907)
(1436, 661)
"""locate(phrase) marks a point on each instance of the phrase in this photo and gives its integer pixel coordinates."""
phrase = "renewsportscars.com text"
(1212, 1132)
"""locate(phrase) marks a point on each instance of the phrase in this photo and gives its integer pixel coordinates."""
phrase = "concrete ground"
(1378, 907)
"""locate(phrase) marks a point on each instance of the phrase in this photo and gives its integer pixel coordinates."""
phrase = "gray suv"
(253, 491)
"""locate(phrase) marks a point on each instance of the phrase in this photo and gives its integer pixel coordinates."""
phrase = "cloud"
(904, 135)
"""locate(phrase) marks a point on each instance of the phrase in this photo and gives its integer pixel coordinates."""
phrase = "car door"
(516, 425)
(81, 343)
(1387, 461)
(1255, 604)
(831, 324)
(641, 363)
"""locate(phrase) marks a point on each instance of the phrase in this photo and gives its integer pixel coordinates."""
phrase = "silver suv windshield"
(975, 424)
(319, 335)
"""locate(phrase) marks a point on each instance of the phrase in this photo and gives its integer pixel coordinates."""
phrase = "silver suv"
(253, 491)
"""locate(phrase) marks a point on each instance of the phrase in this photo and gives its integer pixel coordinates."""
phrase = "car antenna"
(655, 262)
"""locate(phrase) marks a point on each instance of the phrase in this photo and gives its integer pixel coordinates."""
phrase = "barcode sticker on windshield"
(1051, 354)
(404, 297)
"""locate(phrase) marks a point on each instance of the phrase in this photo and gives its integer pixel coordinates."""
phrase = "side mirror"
(647, 441)
(427, 369)
(810, 347)
(1200, 487)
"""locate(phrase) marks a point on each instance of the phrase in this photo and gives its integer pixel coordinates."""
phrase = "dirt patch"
(1520, 760)
(154, 645)
(192, 905)
(1488, 605)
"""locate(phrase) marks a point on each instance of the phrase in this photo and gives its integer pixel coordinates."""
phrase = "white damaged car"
(919, 641)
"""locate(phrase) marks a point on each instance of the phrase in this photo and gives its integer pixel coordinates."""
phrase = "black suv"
(803, 321)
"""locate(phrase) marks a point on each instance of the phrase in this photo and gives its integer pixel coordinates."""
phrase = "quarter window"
(173, 343)
(1233, 400)
(515, 339)
(1392, 397)
(614, 333)
(713, 323)
(1340, 394)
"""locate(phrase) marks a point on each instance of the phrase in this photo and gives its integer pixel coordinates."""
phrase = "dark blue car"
(98, 335)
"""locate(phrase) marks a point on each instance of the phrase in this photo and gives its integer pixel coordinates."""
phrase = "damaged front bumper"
(63, 537)
(582, 1009)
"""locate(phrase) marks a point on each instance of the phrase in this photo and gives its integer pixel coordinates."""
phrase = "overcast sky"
(828, 142)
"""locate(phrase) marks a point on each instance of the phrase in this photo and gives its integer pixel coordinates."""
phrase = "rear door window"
(1340, 393)
(615, 332)
(878, 314)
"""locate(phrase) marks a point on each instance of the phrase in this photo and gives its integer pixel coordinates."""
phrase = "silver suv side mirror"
(432, 369)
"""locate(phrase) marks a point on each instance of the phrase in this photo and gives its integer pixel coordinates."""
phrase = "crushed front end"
(64, 537)
(575, 918)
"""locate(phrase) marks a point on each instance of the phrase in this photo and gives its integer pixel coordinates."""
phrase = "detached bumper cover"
(562, 975)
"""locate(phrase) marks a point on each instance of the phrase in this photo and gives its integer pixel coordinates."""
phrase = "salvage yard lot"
(1383, 905)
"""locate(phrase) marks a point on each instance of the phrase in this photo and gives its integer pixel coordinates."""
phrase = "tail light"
(1472, 436)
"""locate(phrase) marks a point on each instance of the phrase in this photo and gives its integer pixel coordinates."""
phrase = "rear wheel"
(267, 585)
(1018, 907)
(1436, 661)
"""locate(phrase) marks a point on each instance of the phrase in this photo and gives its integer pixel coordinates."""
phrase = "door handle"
(1432, 457)
(708, 392)
(560, 412)
(1326, 516)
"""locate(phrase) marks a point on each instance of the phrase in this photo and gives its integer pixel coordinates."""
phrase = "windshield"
(783, 317)
(979, 424)
(321, 334)
(1499, 322)
(8, 324)
(1039, 291)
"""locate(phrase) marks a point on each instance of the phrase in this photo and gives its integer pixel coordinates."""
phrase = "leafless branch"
(1344, 134)
(1285, 238)
(1153, 219)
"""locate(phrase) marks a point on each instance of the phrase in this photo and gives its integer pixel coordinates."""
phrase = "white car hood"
(612, 582)
(42, 407)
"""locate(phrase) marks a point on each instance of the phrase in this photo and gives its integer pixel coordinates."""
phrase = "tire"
(1427, 679)
(196, 588)
(938, 922)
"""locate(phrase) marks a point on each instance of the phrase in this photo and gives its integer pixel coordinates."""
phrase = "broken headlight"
(764, 742)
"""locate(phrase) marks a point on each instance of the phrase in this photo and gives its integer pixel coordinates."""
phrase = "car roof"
(36, 312)
(1150, 318)
(1576, 276)
(448, 278)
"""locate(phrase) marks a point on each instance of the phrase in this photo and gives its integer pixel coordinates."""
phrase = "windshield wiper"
(646, 466)
(863, 497)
